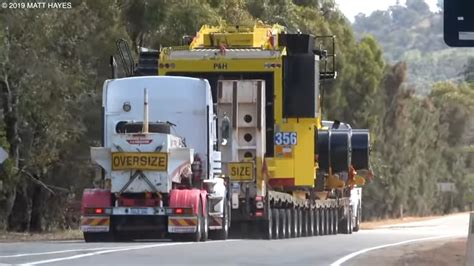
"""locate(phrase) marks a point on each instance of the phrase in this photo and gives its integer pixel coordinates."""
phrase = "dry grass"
(57, 235)
(379, 223)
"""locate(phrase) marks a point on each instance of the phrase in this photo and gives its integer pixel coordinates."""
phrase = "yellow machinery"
(291, 173)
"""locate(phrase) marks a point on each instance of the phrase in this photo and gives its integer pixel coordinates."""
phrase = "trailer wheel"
(328, 221)
(322, 221)
(310, 227)
(300, 222)
(276, 223)
(357, 220)
(336, 221)
(350, 221)
(289, 227)
(294, 223)
(267, 224)
(283, 221)
(345, 224)
(316, 221)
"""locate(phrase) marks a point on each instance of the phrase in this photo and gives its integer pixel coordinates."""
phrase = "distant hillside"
(414, 34)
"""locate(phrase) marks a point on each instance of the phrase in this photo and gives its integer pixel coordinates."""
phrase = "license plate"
(241, 171)
(139, 211)
(154, 161)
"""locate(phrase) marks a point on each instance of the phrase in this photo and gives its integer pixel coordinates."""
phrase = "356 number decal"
(286, 138)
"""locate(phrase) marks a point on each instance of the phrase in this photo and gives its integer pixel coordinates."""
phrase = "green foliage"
(414, 34)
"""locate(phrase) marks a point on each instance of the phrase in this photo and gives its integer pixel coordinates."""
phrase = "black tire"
(283, 226)
(289, 220)
(322, 222)
(310, 212)
(98, 237)
(196, 237)
(276, 223)
(328, 221)
(305, 230)
(294, 223)
(345, 224)
(267, 225)
(357, 220)
(205, 224)
(336, 221)
(316, 221)
(350, 221)
(300, 223)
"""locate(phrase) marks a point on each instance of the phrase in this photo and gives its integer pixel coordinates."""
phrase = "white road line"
(118, 249)
(357, 253)
(51, 252)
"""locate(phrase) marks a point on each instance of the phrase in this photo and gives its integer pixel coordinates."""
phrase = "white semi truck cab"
(161, 173)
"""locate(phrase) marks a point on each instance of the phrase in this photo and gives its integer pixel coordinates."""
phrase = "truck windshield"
(137, 127)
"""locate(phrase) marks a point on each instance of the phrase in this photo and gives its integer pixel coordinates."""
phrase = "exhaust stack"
(145, 112)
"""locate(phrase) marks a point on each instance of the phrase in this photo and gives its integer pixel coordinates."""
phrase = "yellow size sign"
(154, 161)
(241, 171)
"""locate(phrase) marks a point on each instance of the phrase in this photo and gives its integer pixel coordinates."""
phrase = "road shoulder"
(439, 252)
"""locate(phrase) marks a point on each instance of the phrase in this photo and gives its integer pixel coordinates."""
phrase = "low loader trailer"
(284, 171)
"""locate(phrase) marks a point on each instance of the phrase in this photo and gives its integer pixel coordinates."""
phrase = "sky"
(350, 8)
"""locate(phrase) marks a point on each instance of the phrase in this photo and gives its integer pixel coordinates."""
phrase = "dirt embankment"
(377, 224)
(58, 235)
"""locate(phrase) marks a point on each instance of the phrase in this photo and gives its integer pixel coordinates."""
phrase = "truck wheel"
(350, 221)
(276, 223)
(289, 226)
(310, 227)
(267, 225)
(205, 224)
(305, 230)
(283, 226)
(223, 233)
(300, 222)
(357, 220)
(328, 221)
(316, 221)
(345, 224)
(197, 235)
(336, 221)
(98, 237)
(294, 223)
(322, 222)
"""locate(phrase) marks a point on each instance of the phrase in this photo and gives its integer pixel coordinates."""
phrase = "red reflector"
(258, 214)
(258, 198)
(178, 211)
(99, 211)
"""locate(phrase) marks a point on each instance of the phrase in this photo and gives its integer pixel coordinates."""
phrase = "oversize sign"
(154, 161)
(241, 171)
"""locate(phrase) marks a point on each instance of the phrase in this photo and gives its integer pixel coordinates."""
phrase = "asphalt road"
(322, 250)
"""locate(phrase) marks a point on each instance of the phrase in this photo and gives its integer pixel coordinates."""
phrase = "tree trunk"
(6, 207)
(10, 119)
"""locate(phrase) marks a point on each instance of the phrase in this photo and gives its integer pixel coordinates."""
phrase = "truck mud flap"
(215, 223)
(95, 224)
(182, 224)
